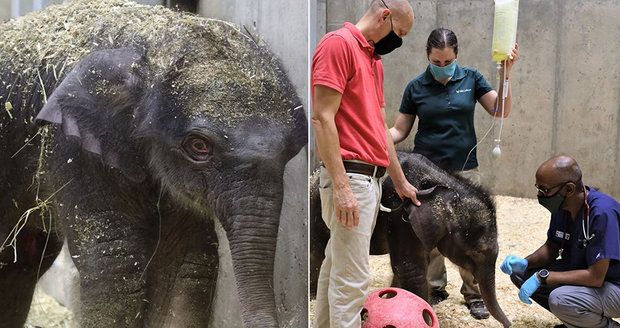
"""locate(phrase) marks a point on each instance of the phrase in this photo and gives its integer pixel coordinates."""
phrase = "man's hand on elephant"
(528, 288)
(513, 263)
(347, 209)
(406, 190)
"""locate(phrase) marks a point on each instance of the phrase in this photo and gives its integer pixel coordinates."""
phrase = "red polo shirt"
(345, 62)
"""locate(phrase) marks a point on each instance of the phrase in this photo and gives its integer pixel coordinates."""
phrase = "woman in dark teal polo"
(443, 98)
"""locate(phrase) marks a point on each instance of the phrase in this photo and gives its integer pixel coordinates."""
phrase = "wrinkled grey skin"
(124, 186)
(455, 216)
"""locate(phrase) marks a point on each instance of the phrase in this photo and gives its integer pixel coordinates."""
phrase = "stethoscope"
(585, 228)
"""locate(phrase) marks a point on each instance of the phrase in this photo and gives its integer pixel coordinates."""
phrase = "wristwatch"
(543, 275)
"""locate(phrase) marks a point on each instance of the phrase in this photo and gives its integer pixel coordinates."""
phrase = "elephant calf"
(127, 129)
(456, 216)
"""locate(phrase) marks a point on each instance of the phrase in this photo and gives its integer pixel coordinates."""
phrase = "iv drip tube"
(496, 151)
(505, 84)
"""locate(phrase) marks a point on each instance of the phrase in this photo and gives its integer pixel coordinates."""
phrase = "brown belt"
(366, 169)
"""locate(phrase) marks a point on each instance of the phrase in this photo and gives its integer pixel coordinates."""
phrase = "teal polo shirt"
(446, 116)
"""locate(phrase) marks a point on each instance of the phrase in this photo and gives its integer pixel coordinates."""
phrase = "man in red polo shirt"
(355, 148)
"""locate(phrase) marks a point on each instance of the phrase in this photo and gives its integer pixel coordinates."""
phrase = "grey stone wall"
(5, 10)
(566, 89)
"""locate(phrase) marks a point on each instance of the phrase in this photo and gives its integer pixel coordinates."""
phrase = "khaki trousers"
(436, 274)
(344, 276)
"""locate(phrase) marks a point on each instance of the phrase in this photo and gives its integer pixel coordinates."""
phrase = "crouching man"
(575, 274)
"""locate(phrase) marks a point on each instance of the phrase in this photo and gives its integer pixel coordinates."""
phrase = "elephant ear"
(429, 219)
(299, 136)
(96, 105)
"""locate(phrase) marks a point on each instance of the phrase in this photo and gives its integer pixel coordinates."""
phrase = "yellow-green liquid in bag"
(504, 28)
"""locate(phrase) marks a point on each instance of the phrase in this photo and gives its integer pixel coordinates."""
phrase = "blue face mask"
(445, 72)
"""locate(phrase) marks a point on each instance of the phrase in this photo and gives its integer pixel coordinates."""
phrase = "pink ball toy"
(397, 308)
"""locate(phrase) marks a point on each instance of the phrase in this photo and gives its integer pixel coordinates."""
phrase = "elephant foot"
(438, 296)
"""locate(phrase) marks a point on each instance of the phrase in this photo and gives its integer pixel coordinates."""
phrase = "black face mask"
(388, 43)
(552, 203)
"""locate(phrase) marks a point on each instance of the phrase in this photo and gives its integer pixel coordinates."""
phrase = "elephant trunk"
(486, 281)
(252, 233)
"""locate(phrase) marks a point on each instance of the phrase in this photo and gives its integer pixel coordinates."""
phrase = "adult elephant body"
(455, 216)
(127, 130)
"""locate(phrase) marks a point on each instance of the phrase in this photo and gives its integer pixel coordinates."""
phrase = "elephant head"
(214, 127)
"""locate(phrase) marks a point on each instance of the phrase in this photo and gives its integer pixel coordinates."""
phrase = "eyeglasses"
(544, 190)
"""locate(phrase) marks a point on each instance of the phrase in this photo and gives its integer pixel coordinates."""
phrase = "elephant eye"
(197, 147)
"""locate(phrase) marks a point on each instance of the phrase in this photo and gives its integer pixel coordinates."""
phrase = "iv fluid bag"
(504, 28)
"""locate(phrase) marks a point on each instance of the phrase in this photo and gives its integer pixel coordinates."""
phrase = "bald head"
(400, 10)
(559, 169)
(400, 7)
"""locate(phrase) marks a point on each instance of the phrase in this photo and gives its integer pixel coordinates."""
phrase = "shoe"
(560, 326)
(478, 310)
(438, 296)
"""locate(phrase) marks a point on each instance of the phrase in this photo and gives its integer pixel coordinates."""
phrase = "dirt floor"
(522, 226)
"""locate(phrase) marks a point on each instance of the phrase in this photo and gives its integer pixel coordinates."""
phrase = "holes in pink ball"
(389, 293)
(364, 314)
(428, 317)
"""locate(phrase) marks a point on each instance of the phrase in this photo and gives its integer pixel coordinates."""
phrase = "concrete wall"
(5, 10)
(566, 89)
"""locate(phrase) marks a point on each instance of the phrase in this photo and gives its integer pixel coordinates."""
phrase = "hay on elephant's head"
(217, 65)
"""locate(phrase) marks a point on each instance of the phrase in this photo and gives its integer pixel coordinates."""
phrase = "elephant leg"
(36, 252)
(109, 250)
(408, 258)
(183, 274)
(379, 240)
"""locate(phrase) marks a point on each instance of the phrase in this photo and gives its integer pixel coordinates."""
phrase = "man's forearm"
(394, 169)
(574, 277)
(542, 256)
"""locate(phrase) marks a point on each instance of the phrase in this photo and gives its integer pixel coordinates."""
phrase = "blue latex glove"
(513, 263)
(528, 288)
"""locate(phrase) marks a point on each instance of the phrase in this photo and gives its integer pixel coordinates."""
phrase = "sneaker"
(478, 310)
(438, 296)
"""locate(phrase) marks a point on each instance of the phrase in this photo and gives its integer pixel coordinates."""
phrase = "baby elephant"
(128, 130)
(456, 216)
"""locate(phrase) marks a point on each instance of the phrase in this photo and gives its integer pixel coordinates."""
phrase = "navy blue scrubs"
(577, 253)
